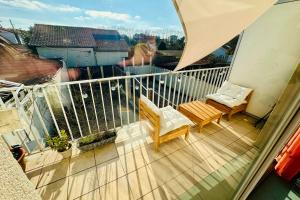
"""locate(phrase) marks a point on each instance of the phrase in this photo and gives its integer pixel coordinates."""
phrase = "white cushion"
(171, 119)
(234, 91)
(226, 100)
(151, 105)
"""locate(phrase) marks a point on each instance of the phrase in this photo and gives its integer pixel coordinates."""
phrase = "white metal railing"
(92, 106)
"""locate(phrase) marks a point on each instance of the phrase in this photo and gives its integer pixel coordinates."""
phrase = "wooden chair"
(230, 110)
(145, 112)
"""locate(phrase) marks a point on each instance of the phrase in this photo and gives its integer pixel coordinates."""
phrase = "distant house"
(10, 36)
(79, 46)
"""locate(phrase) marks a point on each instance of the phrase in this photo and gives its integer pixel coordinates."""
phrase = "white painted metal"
(64, 112)
(26, 119)
(112, 105)
(120, 106)
(158, 96)
(104, 113)
(153, 88)
(196, 87)
(133, 88)
(175, 84)
(51, 111)
(170, 88)
(189, 88)
(164, 93)
(181, 75)
(86, 114)
(95, 110)
(127, 103)
(74, 108)
(202, 76)
(141, 84)
(184, 85)
(36, 108)
(147, 87)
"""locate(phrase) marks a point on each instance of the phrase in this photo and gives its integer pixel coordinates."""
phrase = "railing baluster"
(64, 112)
(74, 108)
(188, 89)
(170, 88)
(133, 86)
(27, 121)
(127, 103)
(141, 88)
(147, 90)
(103, 106)
(120, 107)
(86, 115)
(158, 96)
(153, 88)
(192, 85)
(202, 76)
(95, 110)
(175, 84)
(220, 75)
(181, 74)
(196, 87)
(215, 77)
(209, 77)
(51, 111)
(112, 106)
(165, 85)
(183, 91)
(39, 114)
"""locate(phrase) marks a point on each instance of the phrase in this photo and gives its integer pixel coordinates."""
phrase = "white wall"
(73, 57)
(110, 58)
(268, 55)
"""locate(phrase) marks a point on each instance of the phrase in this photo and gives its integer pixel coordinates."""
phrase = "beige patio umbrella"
(208, 24)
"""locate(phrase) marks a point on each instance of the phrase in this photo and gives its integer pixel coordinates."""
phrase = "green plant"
(95, 138)
(59, 143)
(87, 140)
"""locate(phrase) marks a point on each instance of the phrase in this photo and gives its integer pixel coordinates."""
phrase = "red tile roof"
(67, 36)
(23, 67)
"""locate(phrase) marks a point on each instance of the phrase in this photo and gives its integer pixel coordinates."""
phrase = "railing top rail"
(107, 79)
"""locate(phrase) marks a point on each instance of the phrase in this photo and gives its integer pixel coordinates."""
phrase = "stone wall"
(13, 182)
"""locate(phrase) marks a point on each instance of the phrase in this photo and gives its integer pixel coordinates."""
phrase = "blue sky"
(147, 15)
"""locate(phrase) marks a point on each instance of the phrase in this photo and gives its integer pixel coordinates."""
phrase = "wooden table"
(200, 113)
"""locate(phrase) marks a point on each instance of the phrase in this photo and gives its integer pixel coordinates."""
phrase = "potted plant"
(61, 144)
(92, 141)
(19, 154)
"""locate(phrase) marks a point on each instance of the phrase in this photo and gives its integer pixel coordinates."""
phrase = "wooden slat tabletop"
(200, 110)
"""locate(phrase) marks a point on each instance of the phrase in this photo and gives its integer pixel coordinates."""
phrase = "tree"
(162, 46)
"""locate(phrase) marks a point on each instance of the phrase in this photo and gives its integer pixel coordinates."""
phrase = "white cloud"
(37, 5)
(109, 15)
(82, 18)
(137, 17)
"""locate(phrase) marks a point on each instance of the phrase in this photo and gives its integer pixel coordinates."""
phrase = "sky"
(151, 16)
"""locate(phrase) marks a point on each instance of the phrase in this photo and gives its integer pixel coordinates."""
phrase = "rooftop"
(68, 36)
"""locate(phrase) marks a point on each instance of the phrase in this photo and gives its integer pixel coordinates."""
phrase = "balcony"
(208, 165)
(213, 160)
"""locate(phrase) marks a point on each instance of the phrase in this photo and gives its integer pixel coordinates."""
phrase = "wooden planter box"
(100, 142)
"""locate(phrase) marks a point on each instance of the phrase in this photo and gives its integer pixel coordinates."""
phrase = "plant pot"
(21, 156)
(102, 142)
(67, 153)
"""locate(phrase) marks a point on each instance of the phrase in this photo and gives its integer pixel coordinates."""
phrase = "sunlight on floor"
(208, 165)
